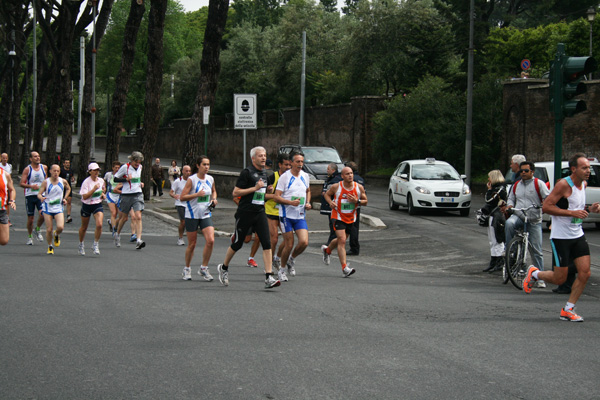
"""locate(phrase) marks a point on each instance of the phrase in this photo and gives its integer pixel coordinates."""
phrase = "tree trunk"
(53, 121)
(154, 77)
(210, 68)
(122, 81)
(44, 83)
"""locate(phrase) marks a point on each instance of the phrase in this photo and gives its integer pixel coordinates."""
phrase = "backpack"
(537, 188)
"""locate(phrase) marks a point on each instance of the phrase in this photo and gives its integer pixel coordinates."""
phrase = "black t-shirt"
(66, 174)
(255, 201)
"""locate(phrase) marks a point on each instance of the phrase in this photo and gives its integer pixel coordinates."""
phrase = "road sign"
(525, 64)
(206, 115)
(244, 111)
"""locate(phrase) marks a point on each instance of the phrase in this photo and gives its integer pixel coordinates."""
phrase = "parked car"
(316, 158)
(429, 183)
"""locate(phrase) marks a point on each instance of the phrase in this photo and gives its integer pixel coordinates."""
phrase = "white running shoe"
(223, 275)
(96, 249)
(290, 266)
(205, 274)
(348, 271)
(271, 282)
(29, 241)
(81, 250)
(281, 275)
(117, 240)
(187, 274)
(276, 264)
(180, 242)
(540, 284)
(326, 256)
(38, 235)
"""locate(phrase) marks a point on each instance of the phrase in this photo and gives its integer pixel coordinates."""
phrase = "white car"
(429, 184)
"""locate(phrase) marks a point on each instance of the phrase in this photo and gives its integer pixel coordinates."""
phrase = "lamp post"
(11, 54)
(591, 14)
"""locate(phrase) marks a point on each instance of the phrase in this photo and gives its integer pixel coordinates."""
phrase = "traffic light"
(565, 83)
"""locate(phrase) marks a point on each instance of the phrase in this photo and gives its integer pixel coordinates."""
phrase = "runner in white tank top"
(52, 193)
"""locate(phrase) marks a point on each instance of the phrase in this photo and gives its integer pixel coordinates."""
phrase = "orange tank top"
(346, 211)
(3, 190)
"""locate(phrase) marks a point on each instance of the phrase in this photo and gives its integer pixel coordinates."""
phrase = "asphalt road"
(417, 321)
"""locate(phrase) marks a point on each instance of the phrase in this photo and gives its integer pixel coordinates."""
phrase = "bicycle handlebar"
(525, 209)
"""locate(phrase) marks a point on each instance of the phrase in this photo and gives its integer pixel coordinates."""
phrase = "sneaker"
(96, 249)
(140, 245)
(348, 271)
(109, 224)
(69, 219)
(81, 250)
(290, 266)
(252, 263)
(271, 282)
(281, 275)
(187, 274)
(569, 315)
(529, 280)
(276, 264)
(180, 242)
(50, 250)
(223, 275)
(540, 284)
(326, 256)
(38, 234)
(56, 239)
(117, 240)
(205, 274)
(29, 241)
(133, 238)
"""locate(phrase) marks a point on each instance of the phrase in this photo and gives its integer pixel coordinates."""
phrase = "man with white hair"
(132, 198)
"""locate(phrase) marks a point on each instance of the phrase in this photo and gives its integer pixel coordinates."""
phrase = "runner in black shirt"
(67, 174)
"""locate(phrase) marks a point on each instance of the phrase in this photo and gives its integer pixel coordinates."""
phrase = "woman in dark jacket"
(495, 197)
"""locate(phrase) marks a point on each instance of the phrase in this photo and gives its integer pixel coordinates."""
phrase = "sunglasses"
(525, 170)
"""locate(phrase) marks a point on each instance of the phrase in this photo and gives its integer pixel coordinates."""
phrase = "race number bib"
(97, 194)
(204, 199)
(347, 207)
(259, 196)
(136, 180)
(302, 199)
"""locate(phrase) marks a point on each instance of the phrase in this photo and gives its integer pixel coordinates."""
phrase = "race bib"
(302, 199)
(259, 196)
(347, 207)
(136, 180)
(55, 202)
(576, 221)
(204, 199)
(97, 194)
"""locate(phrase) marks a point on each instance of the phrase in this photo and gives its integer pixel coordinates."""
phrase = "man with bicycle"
(524, 193)
(566, 205)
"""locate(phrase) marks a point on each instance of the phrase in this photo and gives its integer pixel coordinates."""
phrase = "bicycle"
(517, 254)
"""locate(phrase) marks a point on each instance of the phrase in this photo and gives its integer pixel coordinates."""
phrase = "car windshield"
(324, 155)
(435, 172)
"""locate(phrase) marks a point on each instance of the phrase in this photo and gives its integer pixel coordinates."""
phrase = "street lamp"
(591, 14)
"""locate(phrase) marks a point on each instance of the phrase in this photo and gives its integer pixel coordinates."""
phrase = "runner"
(7, 167)
(31, 179)
(566, 205)
(92, 193)
(293, 195)
(53, 194)
(272, 208)
(348, 194)
(176, 188)
(251, 186)
(113, 196)
(132, 197)
(67, 174)
(250, 237)
(7, 199)
(200, 196)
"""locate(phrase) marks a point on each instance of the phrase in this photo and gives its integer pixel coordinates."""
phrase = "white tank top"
(54, 197)
(35, 177)
(197, 208)
(569, 227)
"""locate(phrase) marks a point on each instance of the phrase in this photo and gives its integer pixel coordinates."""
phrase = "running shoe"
(50, 250)
(281, 275)
(271, 282)
(81, 250)
(140, 245)
(529, 279)
(69, 219)
(290, 266)
(29, 241)
(96, 249)
(252, 263)
(180, 242)
(38, 234)
(348, 271)
(326, 255)
(133, 238)
(117, 240)
(56, 239)
(276, 264)
(205, 274)
(540, 284)
(187, 274)
(223, 275)
(108, 221)
(569, 315)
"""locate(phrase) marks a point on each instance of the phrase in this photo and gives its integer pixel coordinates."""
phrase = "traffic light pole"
(557, 108)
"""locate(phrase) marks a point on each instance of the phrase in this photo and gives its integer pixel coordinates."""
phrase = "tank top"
(54, 197)
(3, 191)
(197, 208)
(569, 227)
(111, 185)
(135, 184)
(35, 177)
(346, 211)
(271, 206)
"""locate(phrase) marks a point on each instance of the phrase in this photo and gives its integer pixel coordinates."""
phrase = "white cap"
(93, 166)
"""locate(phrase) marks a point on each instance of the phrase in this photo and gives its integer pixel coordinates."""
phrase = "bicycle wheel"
(505, 277)
(516, 265)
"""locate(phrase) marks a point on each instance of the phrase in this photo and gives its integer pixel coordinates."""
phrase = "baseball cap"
(93, 166)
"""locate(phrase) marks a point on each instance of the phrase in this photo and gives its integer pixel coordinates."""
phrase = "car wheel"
(392, 204)
(412, 210)
(465, 212)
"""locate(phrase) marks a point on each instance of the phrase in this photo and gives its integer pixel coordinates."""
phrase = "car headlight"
(422, 190)
(466, 189)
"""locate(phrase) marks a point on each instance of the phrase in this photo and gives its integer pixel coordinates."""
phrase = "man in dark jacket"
(157, 178)
(333, 176)
(354, 244)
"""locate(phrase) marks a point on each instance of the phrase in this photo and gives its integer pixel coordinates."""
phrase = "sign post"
(244, 114)
(205, 122)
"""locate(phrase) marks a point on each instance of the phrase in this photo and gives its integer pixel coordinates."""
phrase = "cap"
(93, 166)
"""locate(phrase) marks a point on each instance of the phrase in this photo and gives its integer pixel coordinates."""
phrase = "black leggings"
(244, 222)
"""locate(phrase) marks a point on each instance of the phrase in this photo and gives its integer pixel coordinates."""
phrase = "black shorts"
(245, 222)
(88, 209)
(341, 226)
(180, 212)
(565, 251)
(194, 225)
(273, 217)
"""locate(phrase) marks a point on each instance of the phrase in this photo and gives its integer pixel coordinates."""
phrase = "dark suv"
(316, 158)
